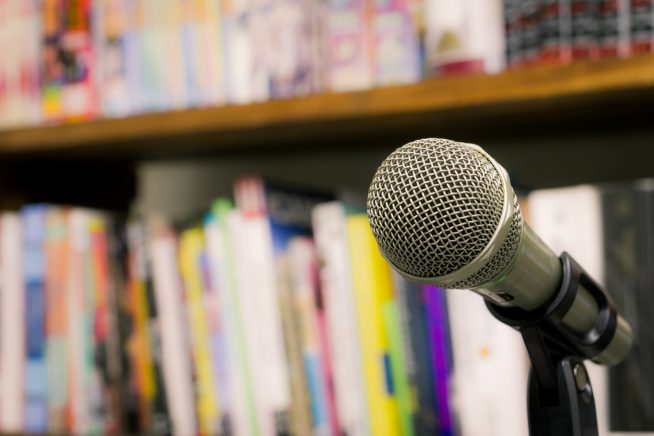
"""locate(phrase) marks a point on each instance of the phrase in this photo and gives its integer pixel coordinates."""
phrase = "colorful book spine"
(208, 411)
(441, 356)
(79, 94)
(614, 28)
(330, 231)
(372, 288)
(111, 26)
(412, 310)
(349, 39)
(315, 348)
(53, 69)
(642, 26)
(12, 316)
(397, 57)
(56, 259)
(36, 379)
(145, 352)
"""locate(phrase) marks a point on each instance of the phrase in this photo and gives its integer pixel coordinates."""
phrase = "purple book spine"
(440, 354)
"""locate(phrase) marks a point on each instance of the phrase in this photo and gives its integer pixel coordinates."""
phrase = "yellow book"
(371, 278)
(190, 250)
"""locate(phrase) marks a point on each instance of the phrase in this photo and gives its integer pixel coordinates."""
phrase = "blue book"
(36, 378)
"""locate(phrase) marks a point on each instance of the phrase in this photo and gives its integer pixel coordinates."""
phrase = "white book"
(570, 219)
(330, 233)
(489, 384)
(175, 347)
(237, 364)
(12, 318)
(238, 51)
(254, 324)
(464, 36)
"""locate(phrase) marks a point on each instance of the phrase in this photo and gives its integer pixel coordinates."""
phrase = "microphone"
(444, 213)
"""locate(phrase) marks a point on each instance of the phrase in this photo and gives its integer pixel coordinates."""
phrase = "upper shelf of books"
(553, 98)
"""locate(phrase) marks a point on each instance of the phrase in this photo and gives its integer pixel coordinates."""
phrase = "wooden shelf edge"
(580, 80)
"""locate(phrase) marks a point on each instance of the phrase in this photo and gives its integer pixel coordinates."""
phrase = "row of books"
(66, 60)
(277, 315)
(563, 31)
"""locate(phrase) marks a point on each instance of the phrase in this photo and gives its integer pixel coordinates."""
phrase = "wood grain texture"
(467, 100)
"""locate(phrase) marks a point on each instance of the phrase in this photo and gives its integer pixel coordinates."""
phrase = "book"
(331, 239)
(12, 314)
(307, 301)
(175, 348)
(111, 21)
(349, 40)
(614, 28)
(464, 37)
(441, 357)
(397, 51)
(371, 278)
(627, 211)
(221, 253)
(145, 350)
(412, 310)
(641, 23)
(570, 219)
(55, 248)
(530, 31)
(585, 28)
(53, 69)
(238, 50)
(512, 33)
(272, 215)
(33, 219)
(490, 369)
(208, 409)
(556, 32)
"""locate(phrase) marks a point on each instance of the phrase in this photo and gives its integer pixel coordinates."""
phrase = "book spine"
(349, 44)
(530, 31)
(614, 28)
(397, 50)
(329, 224)
(13, 339)
(56, 255)
(53, 70)
(79, 93)
(642, 26)
(301, 259)
(399, 367)
(36, 386)
(177, 367)
(371, 283)
(556, 32)
(191, 245)
(418, 362)
(512, 33)
(585, 28)
(238, 50)
(222, 253)
(441, 356)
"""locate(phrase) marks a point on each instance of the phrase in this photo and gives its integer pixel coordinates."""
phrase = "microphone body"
(444, 213)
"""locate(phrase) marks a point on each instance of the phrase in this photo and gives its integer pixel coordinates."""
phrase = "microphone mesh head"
(434, 205)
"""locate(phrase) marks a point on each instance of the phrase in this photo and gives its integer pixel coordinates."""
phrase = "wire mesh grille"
(434, 205)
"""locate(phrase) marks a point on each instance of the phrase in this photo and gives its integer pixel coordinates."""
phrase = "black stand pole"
(560, 397)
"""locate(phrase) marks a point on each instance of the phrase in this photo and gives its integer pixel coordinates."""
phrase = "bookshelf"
(579, 96)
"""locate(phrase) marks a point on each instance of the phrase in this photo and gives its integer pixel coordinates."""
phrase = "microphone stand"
(560, 396)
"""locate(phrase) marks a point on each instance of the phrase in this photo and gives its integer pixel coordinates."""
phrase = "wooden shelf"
(583, 93)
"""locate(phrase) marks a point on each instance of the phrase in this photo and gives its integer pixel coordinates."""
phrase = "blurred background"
(184, 247)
